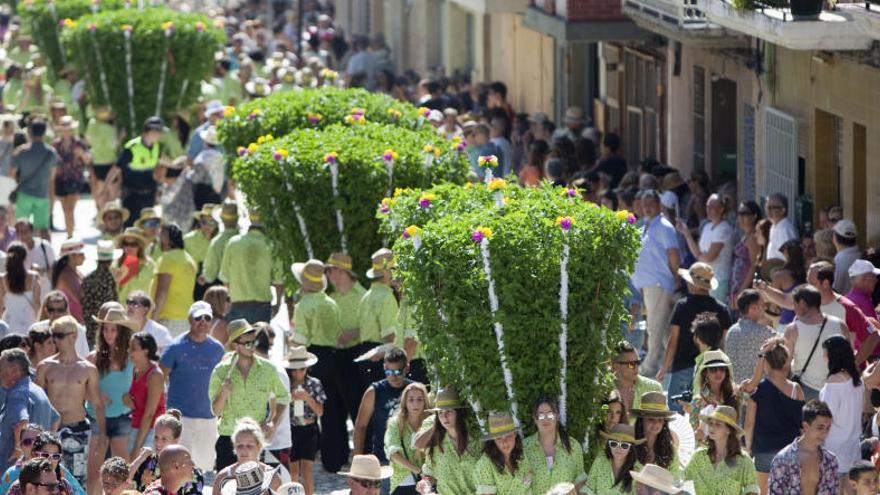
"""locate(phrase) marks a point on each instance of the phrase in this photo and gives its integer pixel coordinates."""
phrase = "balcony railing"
(681, 13)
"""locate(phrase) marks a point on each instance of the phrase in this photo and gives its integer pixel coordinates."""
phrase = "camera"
(685, 396)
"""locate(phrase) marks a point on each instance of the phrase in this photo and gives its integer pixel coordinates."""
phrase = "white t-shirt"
(282, 439)
(780, 233)
(44, 259)
(845, 402)
(712, 234)
(160, 333)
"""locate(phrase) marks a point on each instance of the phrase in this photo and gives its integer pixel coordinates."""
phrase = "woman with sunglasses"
(609, 473)
(146, 396)
(716, 388)
(19, 290)
(549, 453)
(722, 468)
(614, 414)
(28, 435)
(406, 461)
(145, 467)
(138, 305)
(47, 446)
(652, 425)
(450, 454)
(503, 469)
(248, 441)
(133, 270)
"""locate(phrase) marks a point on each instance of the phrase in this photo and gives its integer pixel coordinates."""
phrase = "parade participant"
(104, 140)
(629, 384)
(197, 241)
(304, 427)
(242, 385)
(133, 271)
(150, 222)
(114, 476)
(408, 419)
(111, 358)
(343, 392)
(174, 281)
(805, 466)
(54, 307)
(111, 219)
(722, 467)
(138, 305)
(844, 393)
(251, 272)
(19, 290)
(502, 469)
(449, 452)
(146, 394)
(145, 468)
(366, 475)
(278, 449)
(610, 472)
(73, 156)
(549, 453)
(377, 311)
(616, 414)
(23, 403)
(716, 388)
(66, 277)
(248, 441)
(176, 466)
(69, 381)
(98, 287)
(136, 165)
(34, 166)
(652, 425)
(187, 364)
(654, 480)
(211, 267)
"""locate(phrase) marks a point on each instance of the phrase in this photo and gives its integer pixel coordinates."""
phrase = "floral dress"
(600, 481)
(148, 472)
(566, 466)
(69, 177)
(722, 479)
(399, 442)
(490, 482)
(453, 473)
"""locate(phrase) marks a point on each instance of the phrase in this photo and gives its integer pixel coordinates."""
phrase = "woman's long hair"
(175, 236)
(664, 450)
(439, 434)
(105, 350)
(795, 262)
(840, 358)
(57, 268)
(733, 447)
(402, 411)
(560, 428)
(623, 478)
(16, 271)
(147, 343)
(494, 454)
(728, 390)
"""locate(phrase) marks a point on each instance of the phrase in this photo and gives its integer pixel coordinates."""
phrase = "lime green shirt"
(721, 479)
(567, 466)
(102, 138)
(183, 271)
(377, 313)
(250, 396)
(154, 250)
(316, 320)
(12, 92)
(64, 92)
(248, 267)
(643, 385)
(399, 442)
(490, 482)
(600, 481)
(196, 245)
(454, 473)
(211, 265)
(141, 281)
(170, 144)
(230, 89)
(406, 327)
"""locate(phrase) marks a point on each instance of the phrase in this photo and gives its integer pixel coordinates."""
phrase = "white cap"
(861, 267)
(214, 106)
(200, 308)
(435, 116)
(845, 228)
(669, 200)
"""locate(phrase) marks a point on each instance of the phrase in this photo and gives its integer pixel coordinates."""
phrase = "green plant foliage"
(304, 178)
(443, 276)
(188, 52)
(281, 113)
(44, 19)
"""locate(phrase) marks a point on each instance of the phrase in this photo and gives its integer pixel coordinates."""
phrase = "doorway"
(723, 137)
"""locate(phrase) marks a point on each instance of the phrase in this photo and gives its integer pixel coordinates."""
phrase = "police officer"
(136, 164)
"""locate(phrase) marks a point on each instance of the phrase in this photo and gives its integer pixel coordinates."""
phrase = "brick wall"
(594, 10)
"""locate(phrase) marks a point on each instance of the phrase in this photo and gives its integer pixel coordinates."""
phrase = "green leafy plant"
(184, 44)
(444, 277)
(288, 179)
(281, 113)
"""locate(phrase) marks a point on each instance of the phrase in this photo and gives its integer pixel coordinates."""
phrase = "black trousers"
(134, 201)
(344, 387)
(225, 452)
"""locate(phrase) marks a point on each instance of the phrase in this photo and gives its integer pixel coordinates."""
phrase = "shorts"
(101, 171)
(305, 442)
(66, 186)
(763, 461)
(75, 448)
(27, 205)
(117, 426)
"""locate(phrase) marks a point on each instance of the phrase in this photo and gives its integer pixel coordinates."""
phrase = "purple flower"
(405, 234)
(425, 203)
(388, 156)
(631, 219)
(276, 156)
(477, 236)
(313, 120)
(565, 223)
(251, 116)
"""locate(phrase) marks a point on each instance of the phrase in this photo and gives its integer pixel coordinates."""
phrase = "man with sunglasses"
(366, 475)
(69, 381)
(377, 404)
(242, 385)
(38, 478)
(627, 380)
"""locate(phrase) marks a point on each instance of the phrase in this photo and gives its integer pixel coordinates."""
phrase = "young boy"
(708, 335)
(863, 478)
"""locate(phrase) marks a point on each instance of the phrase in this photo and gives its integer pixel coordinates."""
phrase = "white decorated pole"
(332, 161)
(126, 32)
(388, 158)
(102, 76)
(565, 224)
(180, 96)
(297, 211)
(163, 70)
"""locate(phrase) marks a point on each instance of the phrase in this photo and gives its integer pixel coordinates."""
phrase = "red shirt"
(138, 392)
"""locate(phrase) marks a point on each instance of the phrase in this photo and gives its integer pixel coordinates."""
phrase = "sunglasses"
(135, 303)
(630, 364)
(546, 416)
(51, 457)
(28, 441)
(151, 223)
(393, 372)
(247, 345)
(717, 369)
(60, 335)
(129, 244)
(614, 444)
(55, 310)
(51, 487)
(369, 483)
(203, 318)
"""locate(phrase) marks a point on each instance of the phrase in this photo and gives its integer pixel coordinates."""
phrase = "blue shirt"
(191, 364)
(652, 267)
(25, 401)
(195, 141)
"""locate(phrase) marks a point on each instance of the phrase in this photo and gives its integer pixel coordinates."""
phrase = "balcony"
(585, 21)
(866, 15)
(681, 20)
(493, 6)
(840, 29)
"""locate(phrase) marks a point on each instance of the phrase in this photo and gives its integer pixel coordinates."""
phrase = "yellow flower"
(437, 152)
(428, 148)
(496, 184)
(398, 191)
(252, 148)
(228, 111)
(269, 137)
(167, 25)
(468, 185)
(127, 27)
(412, 231)
(256, 111)
(261, 139)
(282, 153)
(69, 23)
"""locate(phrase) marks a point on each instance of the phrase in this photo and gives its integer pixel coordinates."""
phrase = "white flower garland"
(389, 164)
(334, 179)
(162, 73)
(297, 211)
(127, 34)
(102, 75)
(563, 334)
(182, 92)
(499, 330)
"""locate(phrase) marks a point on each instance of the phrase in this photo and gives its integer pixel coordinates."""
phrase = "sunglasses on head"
(393, 372)
(369, 483)
(247, 345)
(50, 456)
(616, 444)
(60, 335)
(203, 318)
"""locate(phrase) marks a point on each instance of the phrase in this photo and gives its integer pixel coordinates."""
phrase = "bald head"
(171, 456)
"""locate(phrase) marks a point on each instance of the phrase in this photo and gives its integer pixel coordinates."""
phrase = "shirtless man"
(69, 381)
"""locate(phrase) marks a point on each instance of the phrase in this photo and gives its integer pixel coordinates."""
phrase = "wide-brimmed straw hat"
(117, 317)
(701, 275)
(209, 136)
(67, 123)
(131, 233)
(622, 433)
(726, 415)
(562, 488)
(341, 261)
(299, 358)
(770, 266)
(228, 211)
(310, 275)
(367, 467)
(654, 405)
(206, 211)
(249, 479)
(656, 477)
(714, 359)
(447, 399)
(383, 262)
(74, 245)
(111, 206)
(258, 87)
(148, 213)
(574, 115)
(500, 424)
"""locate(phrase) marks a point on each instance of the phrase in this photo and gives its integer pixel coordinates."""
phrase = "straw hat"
(118, 317)
(656, 477)
(366, 467)
(67, 123)
(653, 405)
(383, 262)
(258, 87)
(209, 136)
(447, 399)
(671, 181)
(131, 233)
(701, 275)
(111, 206)
(341, 261)
(726, 415)
(148, 213)
(206, 211)
(299, 358)
(71, 246)
(227, 212)
(622, 433)
(249, 479)
(310, 275)
(235, 330)
(105, 251)
(714, 359)
(574, 115)
(500, 424)
(769, 266)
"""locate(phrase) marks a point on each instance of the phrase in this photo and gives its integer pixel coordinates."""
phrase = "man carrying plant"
(136, 165)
